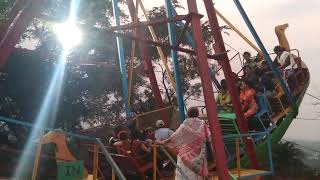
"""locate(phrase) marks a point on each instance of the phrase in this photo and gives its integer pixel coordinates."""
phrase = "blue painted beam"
(266, 56)
(122, 63)
(174, 57)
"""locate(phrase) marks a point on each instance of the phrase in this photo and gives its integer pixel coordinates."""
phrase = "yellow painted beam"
(37, 160)
(238, 32)
(95, 161)
(159, 49)
(133, 48)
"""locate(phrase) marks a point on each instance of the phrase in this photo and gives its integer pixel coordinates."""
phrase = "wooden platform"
(278, 116)
(243, 173)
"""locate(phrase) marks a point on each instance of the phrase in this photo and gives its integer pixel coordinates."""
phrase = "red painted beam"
(148, 23)
(224, 63)
(202, 62)
(164, 45)
(13, 33)
(148, 68)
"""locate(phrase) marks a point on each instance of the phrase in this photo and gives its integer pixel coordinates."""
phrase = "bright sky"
(303, 34)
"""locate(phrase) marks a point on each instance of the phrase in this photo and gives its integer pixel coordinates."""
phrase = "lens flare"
(68, 34)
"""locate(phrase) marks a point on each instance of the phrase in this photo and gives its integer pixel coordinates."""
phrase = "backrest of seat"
(228, 123)
(262, 103)
(297, 60)
(278, 87)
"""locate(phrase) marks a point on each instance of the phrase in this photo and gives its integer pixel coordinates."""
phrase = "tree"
(91, 94)
(288, 163)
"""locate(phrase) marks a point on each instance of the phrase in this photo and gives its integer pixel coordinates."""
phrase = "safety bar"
(174, 162)
(111, 161)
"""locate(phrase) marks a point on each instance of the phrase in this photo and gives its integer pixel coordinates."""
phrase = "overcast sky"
(303, 34)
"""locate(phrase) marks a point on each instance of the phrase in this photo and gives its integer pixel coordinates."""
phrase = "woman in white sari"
(190, 141)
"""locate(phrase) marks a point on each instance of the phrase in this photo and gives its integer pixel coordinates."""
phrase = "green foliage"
(288, 163)
(91, 94)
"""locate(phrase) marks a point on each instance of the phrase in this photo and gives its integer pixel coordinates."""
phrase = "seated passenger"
(248, 61)
(259, 59)
(250, 76)
(236, 80)
(265, 84)
(161, 132)
(123, 146)
(247, 98)
(134, 132)
(141, 151)
(223, 99)
(287, 65)
(149, 133)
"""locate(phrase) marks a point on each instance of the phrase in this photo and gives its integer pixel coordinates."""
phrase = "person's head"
(159, 124)
(264, 65)
(193, 112)
(278, 50)
(245, 85)
(148, 131)
(259, 57)
(246, 56)
(259, 72)
(123, 135)
(247, 70)
(223, 84)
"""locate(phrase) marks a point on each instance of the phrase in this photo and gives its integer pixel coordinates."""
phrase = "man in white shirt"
(287, 65)
(284, 58)
(161, 132)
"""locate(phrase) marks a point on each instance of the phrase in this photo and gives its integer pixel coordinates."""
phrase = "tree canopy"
(91, 94)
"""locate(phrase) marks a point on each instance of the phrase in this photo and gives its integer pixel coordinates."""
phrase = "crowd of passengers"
(187, 144)
(258, 80)
(190, 139)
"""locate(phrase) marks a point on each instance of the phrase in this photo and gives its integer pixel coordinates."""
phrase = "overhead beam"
(165, 45)
(148, 23)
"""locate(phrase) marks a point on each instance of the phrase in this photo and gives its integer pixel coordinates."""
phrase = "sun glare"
(68, 34)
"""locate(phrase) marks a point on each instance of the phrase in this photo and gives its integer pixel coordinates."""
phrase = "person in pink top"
(190, 141)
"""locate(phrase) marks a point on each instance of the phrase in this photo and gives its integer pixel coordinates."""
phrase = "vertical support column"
(148, 68)
(122, 63)
(203, 67)
(154, 158)
(95, 160)
(267, 57)
(37, 160)
(189, 39)
(174, 57)
(224, 62)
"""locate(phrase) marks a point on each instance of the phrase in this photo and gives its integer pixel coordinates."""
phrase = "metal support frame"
(174, 57)
(203, 67)
(188, 36)
(148, 68)
(121, 58)
(275, 71)
(224, 62)
(148, 23)
(165, 45)
(182, 33)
